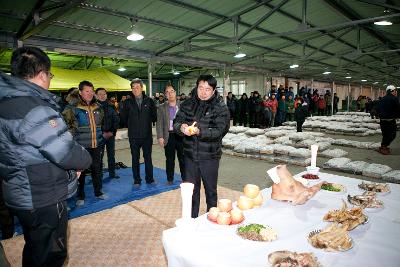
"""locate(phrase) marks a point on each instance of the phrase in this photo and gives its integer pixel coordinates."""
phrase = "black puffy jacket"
(36, 148)
(139, 121)
(212, 117)
(389, 107)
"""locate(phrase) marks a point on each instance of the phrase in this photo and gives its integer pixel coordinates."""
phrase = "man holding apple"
(203, 120)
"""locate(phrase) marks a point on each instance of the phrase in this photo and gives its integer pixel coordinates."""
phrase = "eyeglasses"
(51, 75)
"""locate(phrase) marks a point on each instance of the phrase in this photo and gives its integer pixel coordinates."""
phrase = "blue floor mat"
(119, 191)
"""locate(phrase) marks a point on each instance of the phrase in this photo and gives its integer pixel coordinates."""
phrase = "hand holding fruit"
(190, 130)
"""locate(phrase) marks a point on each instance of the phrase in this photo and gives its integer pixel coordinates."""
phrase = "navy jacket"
(37, 150)
(139, 120)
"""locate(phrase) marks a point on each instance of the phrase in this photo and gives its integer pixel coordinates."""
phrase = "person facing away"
(167, 138)
(84, 120)
(38, 157)
(109, 128)
(388, 111)
(138, 114)
(301, 113)
(203, 121)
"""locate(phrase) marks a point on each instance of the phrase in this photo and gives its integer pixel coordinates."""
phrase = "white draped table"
(376, 243)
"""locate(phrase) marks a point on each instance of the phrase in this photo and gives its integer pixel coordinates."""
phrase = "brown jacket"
(162, 125)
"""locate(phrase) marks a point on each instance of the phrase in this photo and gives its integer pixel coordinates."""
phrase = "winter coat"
(321, 103)
(37, 150)
(212, 117)
(328, 99)
(290, 106)
(139, 121)
(282, 106)
(301, 113)
(389, 107)
(273, 104)
(244, 106)
(111, 118)
(163, 120)
(231, 103)
(85, 122)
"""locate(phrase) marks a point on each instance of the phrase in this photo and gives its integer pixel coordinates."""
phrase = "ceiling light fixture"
(134, 34)
(385, 84)
(326, 72)
(294, 66)
(384, 22)
(239, 53)
(363, 80)
(376, 82)
(121, 68)
(175, 72)
(348, 77)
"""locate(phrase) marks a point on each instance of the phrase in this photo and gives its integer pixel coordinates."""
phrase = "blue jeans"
(110, 145)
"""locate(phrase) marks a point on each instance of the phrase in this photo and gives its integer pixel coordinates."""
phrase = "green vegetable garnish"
(330, 187)
(251, 228)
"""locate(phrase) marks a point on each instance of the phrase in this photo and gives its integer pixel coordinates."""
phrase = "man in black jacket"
(37, 153)
(109, 128)
(389, 111)
(138, 114)
(209, 119)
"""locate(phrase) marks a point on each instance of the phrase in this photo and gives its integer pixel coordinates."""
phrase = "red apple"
(225, 205)
(251, 190)
(258, 200)
(213, 214)
(245, 203)
(224, 218)
(236, 216)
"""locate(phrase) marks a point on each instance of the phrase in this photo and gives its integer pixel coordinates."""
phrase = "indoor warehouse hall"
(199, 133)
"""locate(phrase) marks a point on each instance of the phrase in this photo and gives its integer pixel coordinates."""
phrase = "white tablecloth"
(376, 243)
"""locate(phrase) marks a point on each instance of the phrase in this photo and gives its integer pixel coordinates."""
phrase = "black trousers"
(95, 171)
(300, 125)
(243, 119)
(6, 218)
(206, 171)
(146, 145)
(388, 129)
(45, 234)
(109, 144)
(174, 145)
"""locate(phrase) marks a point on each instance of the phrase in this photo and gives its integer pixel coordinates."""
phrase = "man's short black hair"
(137, 80)
(27, 62)
(207, 78)
(101, 89)
(85, 83)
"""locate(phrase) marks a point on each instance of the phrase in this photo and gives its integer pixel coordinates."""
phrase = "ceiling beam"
(381, 4)
(329, 42)
(349, 13)
(212, 26)
(322, 28)
(263, 18)
(48, 20)
(29, 19)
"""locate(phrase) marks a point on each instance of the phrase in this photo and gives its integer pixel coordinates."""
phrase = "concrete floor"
(235, 172)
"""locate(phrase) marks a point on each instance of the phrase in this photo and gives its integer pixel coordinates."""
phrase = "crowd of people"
(278, 106)
(49, 145)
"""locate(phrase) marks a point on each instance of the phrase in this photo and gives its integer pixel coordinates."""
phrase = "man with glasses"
(203, 120)
(167, 138)
(37, 157)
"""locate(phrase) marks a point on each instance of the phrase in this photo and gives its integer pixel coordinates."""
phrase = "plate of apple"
(225, 214)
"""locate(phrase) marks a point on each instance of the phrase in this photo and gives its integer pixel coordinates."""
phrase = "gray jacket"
(162, 125)
(37, 151)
